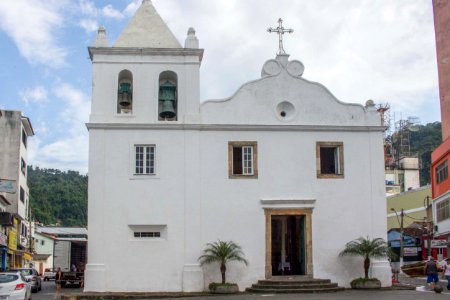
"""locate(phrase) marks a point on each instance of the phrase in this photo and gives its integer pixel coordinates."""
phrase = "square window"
(442, 210)
(330, 159)
(242, 160)
(24, 138)
(144, 159)
(22, 195)
(23, 166)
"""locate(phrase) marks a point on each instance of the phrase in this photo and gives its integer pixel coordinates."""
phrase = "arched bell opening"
(125, 92)
(167, 96)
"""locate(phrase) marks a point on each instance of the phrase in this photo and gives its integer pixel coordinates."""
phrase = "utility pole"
(429, 225)
(401, 239)
(402, 214)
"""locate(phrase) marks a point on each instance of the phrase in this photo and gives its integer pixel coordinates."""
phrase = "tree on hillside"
(58, 197)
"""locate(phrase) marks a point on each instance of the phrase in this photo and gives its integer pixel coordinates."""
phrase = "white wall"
(192, 195)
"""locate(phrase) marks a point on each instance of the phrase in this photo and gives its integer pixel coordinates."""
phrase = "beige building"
(413, 203)
(15, 129)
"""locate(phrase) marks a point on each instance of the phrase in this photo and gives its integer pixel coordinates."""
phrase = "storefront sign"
(410, 251)
(7, 186)
(436, 243)
(3, 239)
(12, 240)
(27, 256)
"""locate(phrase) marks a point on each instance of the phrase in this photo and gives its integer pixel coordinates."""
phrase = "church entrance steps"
(294, 284)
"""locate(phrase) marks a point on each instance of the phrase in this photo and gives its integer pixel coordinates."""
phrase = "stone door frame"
(307, 212)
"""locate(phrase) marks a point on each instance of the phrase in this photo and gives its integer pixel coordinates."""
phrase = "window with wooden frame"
(144, 159)
(242, 160)
(330, 159)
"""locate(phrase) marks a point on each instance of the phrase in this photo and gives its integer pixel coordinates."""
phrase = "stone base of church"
(94, 278)
(193, 278)
(382, 271)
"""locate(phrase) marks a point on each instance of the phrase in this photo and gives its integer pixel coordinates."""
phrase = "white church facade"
(282, 168)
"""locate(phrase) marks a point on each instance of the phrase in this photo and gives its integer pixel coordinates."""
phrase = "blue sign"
(7, 186)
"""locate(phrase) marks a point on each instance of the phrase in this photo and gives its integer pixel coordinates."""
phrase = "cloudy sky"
(360, 49)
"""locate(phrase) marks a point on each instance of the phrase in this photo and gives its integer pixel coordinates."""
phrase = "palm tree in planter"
(367, 248)
(222, 252)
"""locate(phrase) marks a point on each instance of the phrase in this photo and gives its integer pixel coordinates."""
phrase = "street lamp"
(401, 235)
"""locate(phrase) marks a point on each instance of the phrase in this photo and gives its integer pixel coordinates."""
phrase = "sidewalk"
(385, 294)
(414, 281)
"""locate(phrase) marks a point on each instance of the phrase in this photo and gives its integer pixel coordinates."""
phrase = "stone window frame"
(233, 144)
(340, 147)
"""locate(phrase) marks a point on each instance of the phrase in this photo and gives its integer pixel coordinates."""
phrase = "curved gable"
(282, 96)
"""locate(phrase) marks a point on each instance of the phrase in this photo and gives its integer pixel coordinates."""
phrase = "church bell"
(167, 97)
(124, 94)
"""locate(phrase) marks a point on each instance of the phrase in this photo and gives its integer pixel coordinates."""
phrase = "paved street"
(48, 291)
(345, 295)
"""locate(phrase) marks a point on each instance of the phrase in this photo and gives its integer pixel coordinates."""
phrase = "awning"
(41, 256)
(27, 256)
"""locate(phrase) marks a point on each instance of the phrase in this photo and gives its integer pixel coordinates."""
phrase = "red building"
(440, 183)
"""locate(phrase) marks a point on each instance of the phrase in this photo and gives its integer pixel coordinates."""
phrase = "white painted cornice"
(145, 51)
(288, 203)
(232, 127)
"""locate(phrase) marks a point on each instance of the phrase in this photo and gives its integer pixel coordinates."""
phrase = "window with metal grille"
(442, 172)
(442, 210)
(144, 159)
(147, 234)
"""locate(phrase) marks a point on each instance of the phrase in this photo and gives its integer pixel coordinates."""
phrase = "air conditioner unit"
(23, 240)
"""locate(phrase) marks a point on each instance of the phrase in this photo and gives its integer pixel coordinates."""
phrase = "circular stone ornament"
(285, 111)
(271, 67)
(295, 68)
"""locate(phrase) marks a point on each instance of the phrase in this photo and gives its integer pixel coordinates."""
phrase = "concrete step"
(294, 285)
(295, 290)
(293, 281)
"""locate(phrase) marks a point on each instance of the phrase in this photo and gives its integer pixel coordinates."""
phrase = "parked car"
(33, 275)
(49, 274)
(14, 286)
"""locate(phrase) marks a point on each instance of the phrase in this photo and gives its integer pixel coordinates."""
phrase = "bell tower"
(146, 76)
(145, 88)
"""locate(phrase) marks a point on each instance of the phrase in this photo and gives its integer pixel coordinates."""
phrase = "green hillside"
(58, 197)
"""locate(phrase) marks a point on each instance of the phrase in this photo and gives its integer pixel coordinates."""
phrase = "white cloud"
(70, 149)
(88, 25)
(110, 12)
(70, 153)
(37, 94)
(382, 50)
(76, 108)
(88, 8)
(32, 25)
(131, 8)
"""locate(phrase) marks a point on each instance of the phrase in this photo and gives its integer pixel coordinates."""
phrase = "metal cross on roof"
(280, 30)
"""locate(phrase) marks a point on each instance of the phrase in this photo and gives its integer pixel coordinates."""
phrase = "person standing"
(446, 269)
(431, 269)
(58, 277)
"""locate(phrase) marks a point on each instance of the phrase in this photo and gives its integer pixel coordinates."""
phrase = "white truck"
(69, 254)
